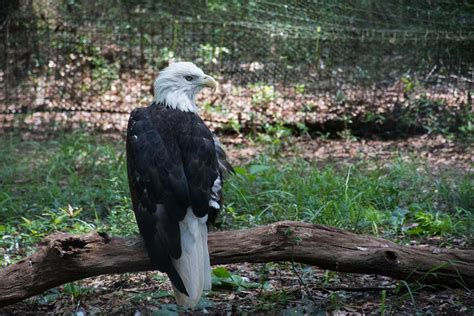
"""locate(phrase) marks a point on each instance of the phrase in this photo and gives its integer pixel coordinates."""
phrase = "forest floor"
(434, 173)
(286, 290)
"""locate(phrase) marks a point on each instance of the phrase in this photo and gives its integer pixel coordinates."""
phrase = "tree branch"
(63, 258)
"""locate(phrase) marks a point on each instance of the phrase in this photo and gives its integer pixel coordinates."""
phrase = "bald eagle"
(175, 171)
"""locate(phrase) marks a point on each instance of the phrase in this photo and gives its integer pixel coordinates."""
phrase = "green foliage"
(275, 136)
(74, 183)
(370, 117)
(409, 85)
(233, 125)
(262, 94)
(164, 55)
(328, 277)
(48, 297)
(63, 219)
(211, 54)
(299, 88)
(224, 279)
(466, 122)
(432, 224)
(433, 116)
(76, 291)
(268, 299)
(382, 199)
(382, 302)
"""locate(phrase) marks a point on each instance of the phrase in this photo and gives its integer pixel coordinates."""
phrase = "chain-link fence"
(76, 64)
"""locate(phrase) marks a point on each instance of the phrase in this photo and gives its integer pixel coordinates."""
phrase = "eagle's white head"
(177, 85)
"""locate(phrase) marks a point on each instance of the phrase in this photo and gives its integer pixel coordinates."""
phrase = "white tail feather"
(194, 264)
(206, 260)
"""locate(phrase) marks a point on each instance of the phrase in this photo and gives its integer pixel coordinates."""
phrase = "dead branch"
(63, 258)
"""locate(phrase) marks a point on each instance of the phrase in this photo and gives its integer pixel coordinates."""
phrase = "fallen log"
(63, 258)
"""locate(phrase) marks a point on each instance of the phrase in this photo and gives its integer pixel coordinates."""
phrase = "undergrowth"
(77, 183)
(398, 197)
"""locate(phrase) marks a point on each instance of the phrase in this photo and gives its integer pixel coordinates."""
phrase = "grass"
(78, 183)
(396, 197)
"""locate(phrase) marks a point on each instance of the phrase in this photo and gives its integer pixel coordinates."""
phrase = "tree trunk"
(62, 258)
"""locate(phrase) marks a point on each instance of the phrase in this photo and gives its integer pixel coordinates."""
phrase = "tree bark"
(63, 258)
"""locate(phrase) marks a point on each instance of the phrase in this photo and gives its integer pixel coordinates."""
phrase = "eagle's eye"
(188, 78)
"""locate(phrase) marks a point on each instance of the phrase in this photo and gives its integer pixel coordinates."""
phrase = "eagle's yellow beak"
(210, 82)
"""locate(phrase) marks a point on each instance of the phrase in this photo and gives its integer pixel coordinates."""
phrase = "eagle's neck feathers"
(176, 97)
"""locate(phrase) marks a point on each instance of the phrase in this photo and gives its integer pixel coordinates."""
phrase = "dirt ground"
(438, 151)
(283, 289)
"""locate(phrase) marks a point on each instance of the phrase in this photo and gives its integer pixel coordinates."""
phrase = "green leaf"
(216, 282)
(58, 220)
(254, 169)
(240, 170)
(415, 231)
(237, 279)
(221, 273)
